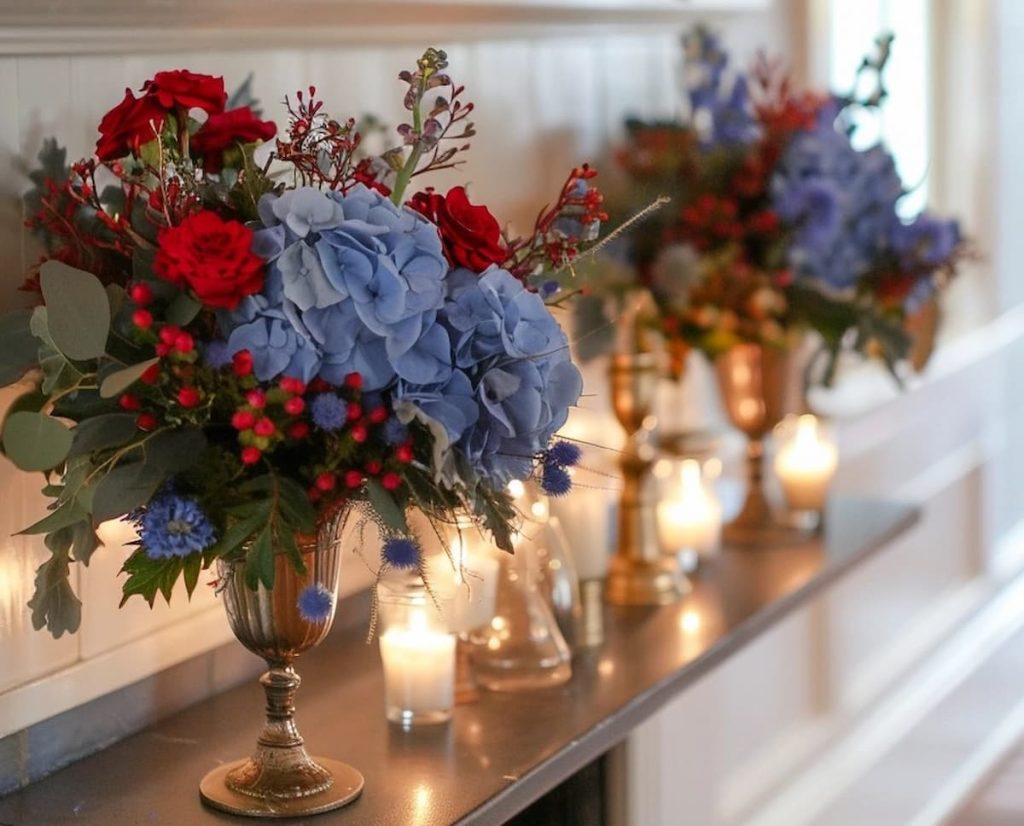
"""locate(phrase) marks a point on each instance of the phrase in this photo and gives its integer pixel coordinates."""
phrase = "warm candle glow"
(419, 668)
(692, 520)
(805, 466)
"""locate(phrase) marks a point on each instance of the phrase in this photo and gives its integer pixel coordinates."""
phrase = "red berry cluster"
(267, 417)
(712, 220)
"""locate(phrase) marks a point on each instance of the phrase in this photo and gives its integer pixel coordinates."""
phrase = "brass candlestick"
(755, 383)
(639, 573)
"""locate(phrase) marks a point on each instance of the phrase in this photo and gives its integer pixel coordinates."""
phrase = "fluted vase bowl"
(280, 779)
(757, 388)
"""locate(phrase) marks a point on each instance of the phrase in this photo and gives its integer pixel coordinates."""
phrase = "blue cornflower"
(316, 603)
(329, 412)
(563, 454)
(401, 552)
(395, 433)
(555, 480)
(173, 525)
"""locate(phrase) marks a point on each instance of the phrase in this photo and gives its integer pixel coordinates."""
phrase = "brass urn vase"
(757, 387)
(280, 779)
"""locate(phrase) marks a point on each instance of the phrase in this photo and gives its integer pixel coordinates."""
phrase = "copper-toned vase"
(280, 779)
(639, 573)
(756, 384)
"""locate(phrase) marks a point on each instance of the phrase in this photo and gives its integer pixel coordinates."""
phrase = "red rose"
(225, 129)
(213, 257)
(133, 122)
(185, 89)
(470, 234)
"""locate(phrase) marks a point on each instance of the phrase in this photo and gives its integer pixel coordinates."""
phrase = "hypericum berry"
(318, 385)
(373, 467)
(129, 402)
(390, 481)
(243, 419)
(162, 349)
(360, 434)
(140, 294)
(264, 427)
(354, 412)
(251, 455)
(353, 478)
(168, 334)
(189, 397)
(326, 482)
(294, 406)
(379, 415)
(151, 374)
(184, 343)
(142, 318)
(292, 385)
(354, 381)
(404, 453)
(241, 363)
(298, 430)
(256, 398)
(146, 422)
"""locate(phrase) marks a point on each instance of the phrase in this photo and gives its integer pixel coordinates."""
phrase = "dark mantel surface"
(498, 755)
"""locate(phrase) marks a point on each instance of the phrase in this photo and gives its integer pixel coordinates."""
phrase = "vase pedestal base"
(347, 786)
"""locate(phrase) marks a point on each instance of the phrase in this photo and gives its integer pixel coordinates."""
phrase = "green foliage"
(35, 441)
(114, 384)
(385, 506)
(19, 349)
(54, 604)
(102, 433)
(147, 577)
(182, 310)
(78, 311)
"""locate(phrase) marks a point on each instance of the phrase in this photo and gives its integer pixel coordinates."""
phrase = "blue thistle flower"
(401, 552)
(563, 454)
(549, 288)
(328, 412)
(555, 480)
(395, 433)
(173, 525)
(315, 603)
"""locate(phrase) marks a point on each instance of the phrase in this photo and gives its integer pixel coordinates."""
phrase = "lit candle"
(692, 520)
(805, 466)
(419, 670)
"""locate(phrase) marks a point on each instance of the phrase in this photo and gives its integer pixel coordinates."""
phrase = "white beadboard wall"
(543, 104)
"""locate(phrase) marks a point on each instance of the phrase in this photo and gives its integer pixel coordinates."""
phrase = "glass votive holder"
(805, 464)
(690, 518)
(417, 649)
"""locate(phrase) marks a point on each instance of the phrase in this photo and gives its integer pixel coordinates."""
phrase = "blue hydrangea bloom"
(516, 359)
(401, 552)
(216, 354)
(358, 281)
(315, 603)
(173, 525)
(328, 411)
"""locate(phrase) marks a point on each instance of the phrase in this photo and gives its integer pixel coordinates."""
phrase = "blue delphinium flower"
(555, 480)
(328, 411)
(173, 525)
(563, 454)
(926, 241)
(401, 552)
(315, 603)
(722, 115)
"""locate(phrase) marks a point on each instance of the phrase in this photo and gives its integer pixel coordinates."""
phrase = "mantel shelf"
(498, 755)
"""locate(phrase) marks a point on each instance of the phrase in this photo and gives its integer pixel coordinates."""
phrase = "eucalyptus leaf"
(19, 348)
(384, 505)
(116, 383)
(175, 451)
(125, 488)
(78, 310)
(183, 309)
(66, 515)
(115, 298)
(35, 441)
(102, 432)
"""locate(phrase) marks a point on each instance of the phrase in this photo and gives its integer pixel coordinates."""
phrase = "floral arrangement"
(228, 351)
(778, 222)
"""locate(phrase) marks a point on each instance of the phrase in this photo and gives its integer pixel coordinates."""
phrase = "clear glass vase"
(522, 648)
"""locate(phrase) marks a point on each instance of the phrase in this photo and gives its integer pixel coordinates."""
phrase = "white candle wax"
(585, 516)
(805, 466)
(419, 670)
(692, 521)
